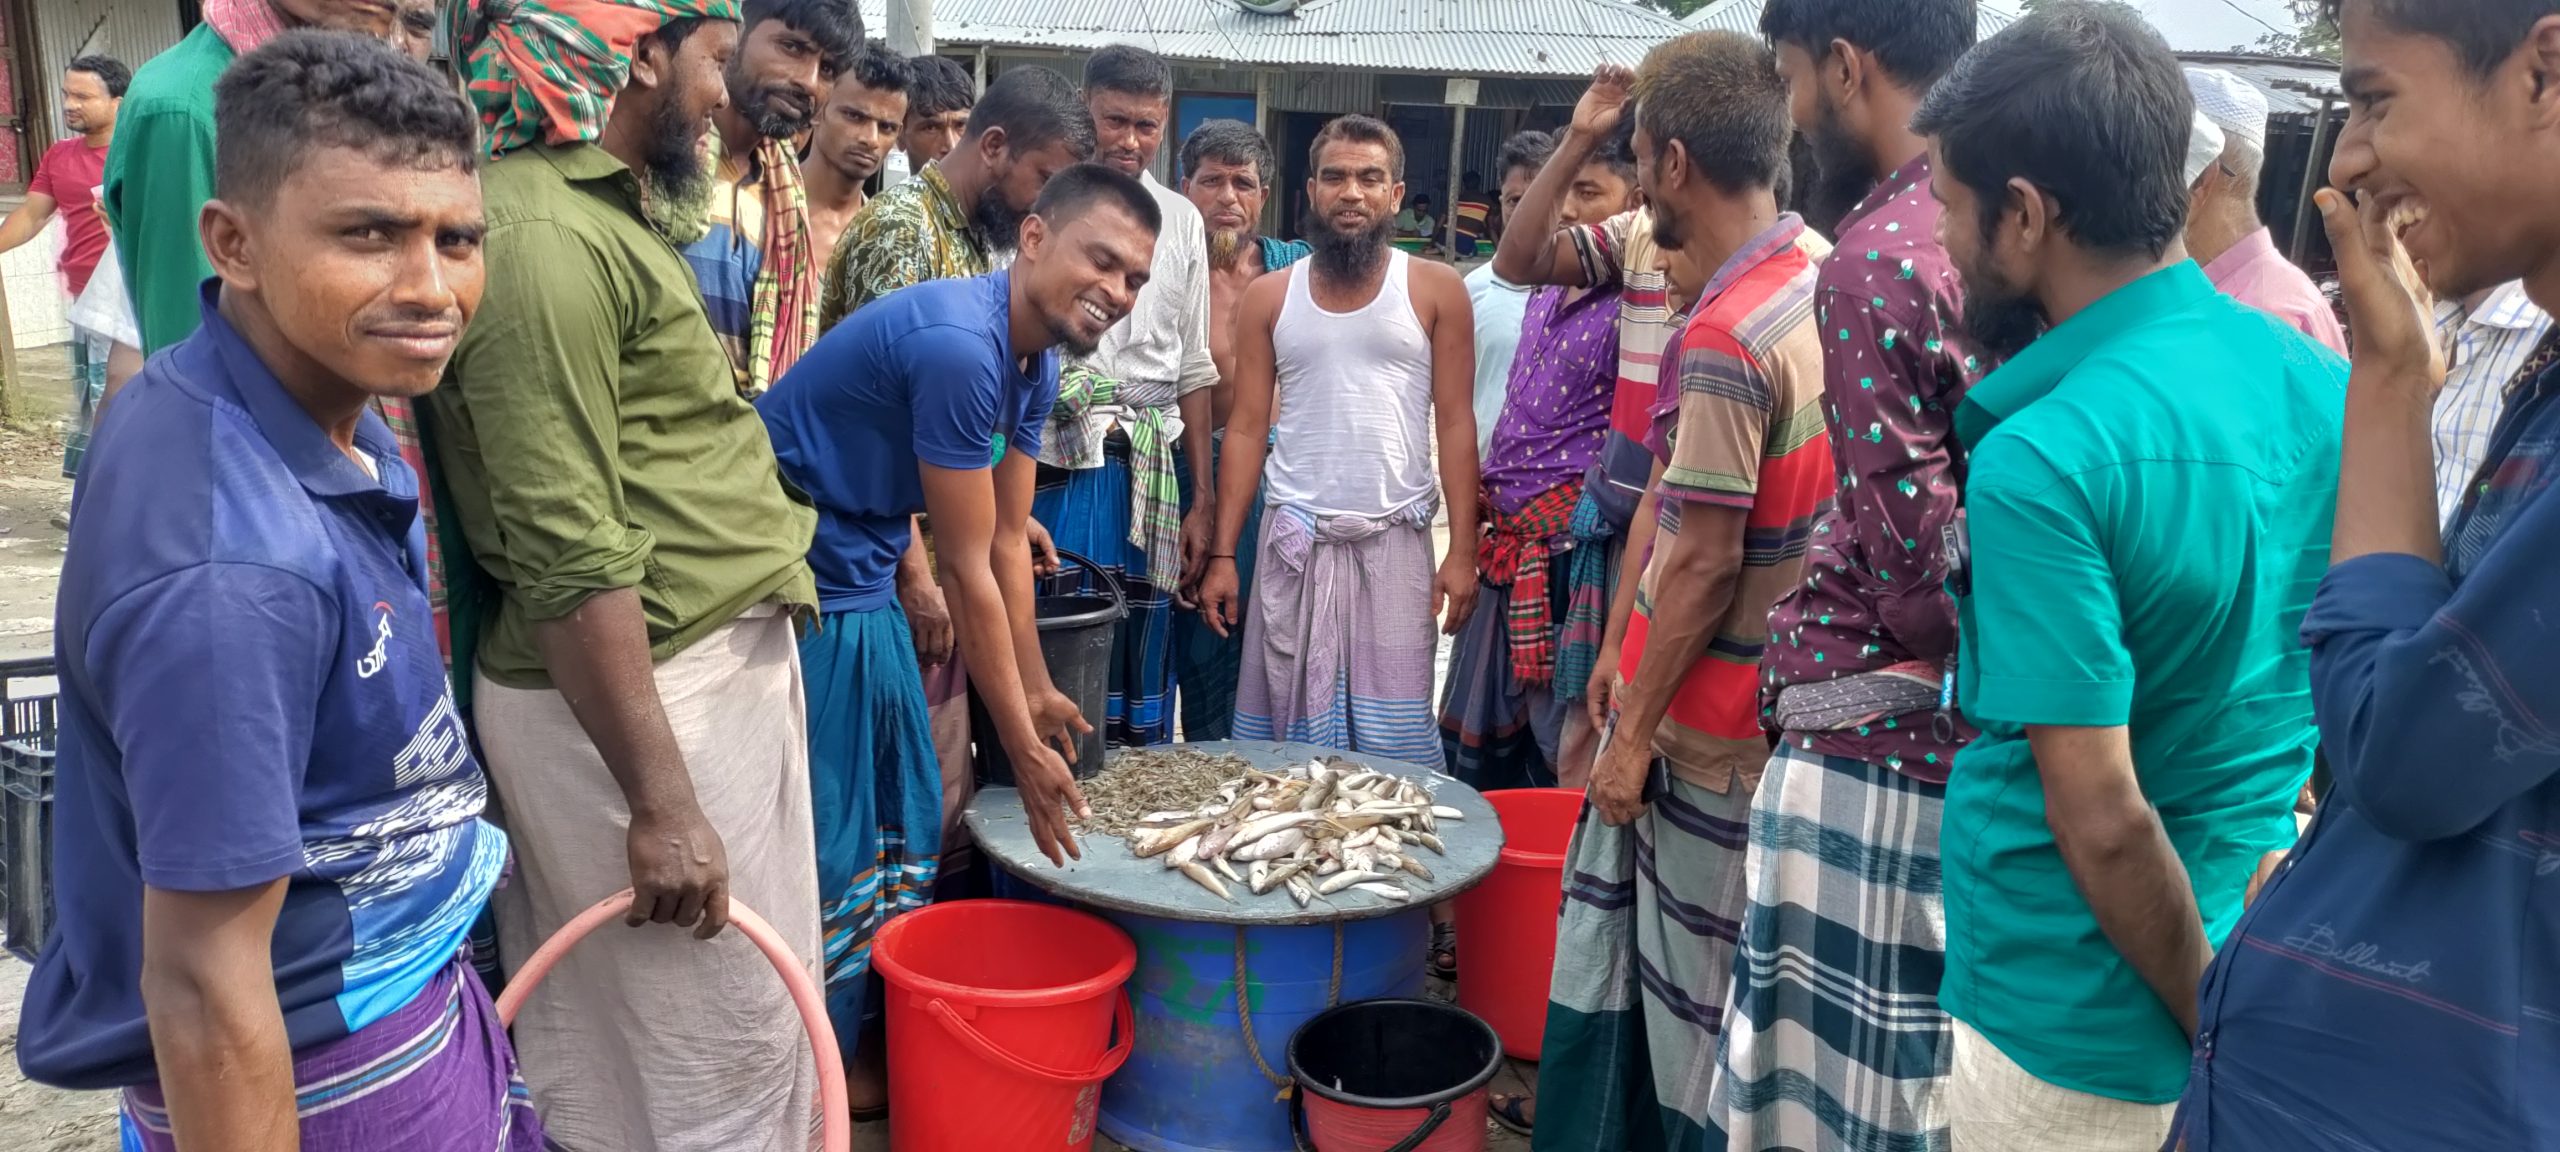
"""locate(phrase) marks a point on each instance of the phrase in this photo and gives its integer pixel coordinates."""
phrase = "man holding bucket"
(897, 411)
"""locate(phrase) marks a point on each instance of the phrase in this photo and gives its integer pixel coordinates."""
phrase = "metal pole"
(910, 31)
(1457, 156)
(982, 69)
(2313, 176)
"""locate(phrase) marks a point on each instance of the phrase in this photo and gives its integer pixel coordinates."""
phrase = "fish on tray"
(1311, 831)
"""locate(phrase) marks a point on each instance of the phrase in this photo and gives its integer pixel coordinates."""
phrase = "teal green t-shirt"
(159, 174)
(2148, 508)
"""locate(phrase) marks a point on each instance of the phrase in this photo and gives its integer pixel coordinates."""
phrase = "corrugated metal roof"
(1744, 16)
(2293, 86)
(1449, 37)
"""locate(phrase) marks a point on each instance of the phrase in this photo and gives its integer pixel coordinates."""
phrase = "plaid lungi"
(1644, 954)
(1833, 1036)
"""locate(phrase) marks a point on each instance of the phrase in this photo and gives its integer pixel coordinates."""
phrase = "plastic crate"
(28, 724)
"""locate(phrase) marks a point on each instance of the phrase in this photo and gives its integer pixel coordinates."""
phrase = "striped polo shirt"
(1620, 250)
(1739, 425)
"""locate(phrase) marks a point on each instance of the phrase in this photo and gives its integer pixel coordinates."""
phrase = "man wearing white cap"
(2223, 233)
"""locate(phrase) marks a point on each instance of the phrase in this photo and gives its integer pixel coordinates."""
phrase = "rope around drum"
(1244, 1011)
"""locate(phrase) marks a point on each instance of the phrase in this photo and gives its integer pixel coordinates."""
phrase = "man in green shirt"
(2149, 499)
(160, 170)
(637, 693)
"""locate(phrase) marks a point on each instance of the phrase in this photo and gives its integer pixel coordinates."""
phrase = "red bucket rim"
(1511, 855)
(884, 957)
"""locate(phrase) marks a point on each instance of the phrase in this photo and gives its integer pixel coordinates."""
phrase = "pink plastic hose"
(834, 1117)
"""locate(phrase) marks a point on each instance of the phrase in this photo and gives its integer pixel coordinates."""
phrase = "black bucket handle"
(1298, 1124)
(1110, 583)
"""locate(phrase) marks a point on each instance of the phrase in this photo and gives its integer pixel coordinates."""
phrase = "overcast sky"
(2215, 24)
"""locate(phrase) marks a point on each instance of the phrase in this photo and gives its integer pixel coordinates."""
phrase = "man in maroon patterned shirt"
(1842, 866)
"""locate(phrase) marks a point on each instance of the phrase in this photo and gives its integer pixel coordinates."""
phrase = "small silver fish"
(1446, 812)
(1301, 891)
(1384, 891)
(1429, 841)
(1157, 841)
(1271, 847)
(1344, 879)
(1225, 869)
(1414, 866)
(1204, 878)
(1257, 876)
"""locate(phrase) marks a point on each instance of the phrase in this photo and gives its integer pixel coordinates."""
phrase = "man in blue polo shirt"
(899, 410)
(269, 838)
(2149, 494)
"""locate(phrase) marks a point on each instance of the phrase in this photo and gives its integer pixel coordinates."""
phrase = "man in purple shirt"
(1836, 977)
(1504, 723)
(2237, 252)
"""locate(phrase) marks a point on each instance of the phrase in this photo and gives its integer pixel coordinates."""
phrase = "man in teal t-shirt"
(2149, 497)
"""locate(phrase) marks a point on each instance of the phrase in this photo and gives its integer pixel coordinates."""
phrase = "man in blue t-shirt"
(898, 410)
(269, 840)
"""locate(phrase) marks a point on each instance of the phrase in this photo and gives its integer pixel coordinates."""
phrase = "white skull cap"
(2204, 148)
(2233, 104)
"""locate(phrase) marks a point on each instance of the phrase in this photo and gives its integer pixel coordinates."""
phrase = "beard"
(995, 221)
(678, 175)
(1844, 172)
(2000, 318)
(1063, 331)
(777, 111)
(1225, 248)
(1346, 256)
(1667, 232)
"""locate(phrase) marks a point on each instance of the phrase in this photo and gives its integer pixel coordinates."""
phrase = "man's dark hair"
(881, 71)
(1229, 142)
(305, 90)
(675, 32)
(2084, 101)
(1528, 150)
(1079, 188)
(2482, 32)
(1358, 129)
(1618, 153)
(940, 85)
(1719, 95)
(1128, 69)
(109, 71)
(836, 26)
(1915, 40)
(1034, 106)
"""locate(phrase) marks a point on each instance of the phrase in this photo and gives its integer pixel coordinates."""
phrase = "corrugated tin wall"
(129, 30)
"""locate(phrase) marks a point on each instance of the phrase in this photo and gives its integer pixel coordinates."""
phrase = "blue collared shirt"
(251, 692)
(2396, 987)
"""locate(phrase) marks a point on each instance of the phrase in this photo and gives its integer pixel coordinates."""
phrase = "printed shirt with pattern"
(912, 233)
(1874, 593)
(2488, 351)
(1555, 409)
(1620, 251)
(1740, 426)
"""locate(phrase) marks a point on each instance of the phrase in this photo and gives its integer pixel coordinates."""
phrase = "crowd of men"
(628, 460)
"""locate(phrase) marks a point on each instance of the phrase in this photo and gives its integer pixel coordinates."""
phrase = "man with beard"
(636, 692)
(277, 845)
(2148, 494)
(1363, 353)
(1227, 172)
(1133, 413)
(1855, 683)
(754, 261)
(854, 133)
(895, 413)
(1503, 723)
(1643, 945)
(2414, 921)
(960, 211)
(2223, 232)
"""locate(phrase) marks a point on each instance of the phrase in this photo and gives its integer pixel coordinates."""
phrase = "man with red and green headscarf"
(636, 689)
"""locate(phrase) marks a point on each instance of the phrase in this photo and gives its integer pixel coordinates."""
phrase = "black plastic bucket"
(1393, 1076)
(1079, 611)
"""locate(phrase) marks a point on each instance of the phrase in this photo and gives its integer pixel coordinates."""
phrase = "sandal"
(1443, 964)
(1508, 1111)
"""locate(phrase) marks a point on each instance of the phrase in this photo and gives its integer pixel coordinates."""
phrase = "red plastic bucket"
(1393, 1076)
(1507, 925)
(1004, 1019)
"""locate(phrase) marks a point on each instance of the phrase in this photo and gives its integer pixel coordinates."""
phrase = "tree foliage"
(2313, 34)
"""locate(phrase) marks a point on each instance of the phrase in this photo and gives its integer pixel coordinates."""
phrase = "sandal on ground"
(868, 1115)
(1510, 1111)
(1443, 964)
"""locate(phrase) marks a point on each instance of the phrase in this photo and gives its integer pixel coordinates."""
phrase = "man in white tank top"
(1358, 357)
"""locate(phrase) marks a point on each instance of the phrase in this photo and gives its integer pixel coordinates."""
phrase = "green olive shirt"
(159, 174)
(591, 432)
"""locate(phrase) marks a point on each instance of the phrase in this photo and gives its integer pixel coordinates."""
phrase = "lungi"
(434, 1076)
(1833, 1037)
(646, 1039)
(1644, 954)
(875, 794)
(1497, 733)
(1995, 1106)
(1339, 647)
(1205, 664)
(1087, 512)
(88, 388)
